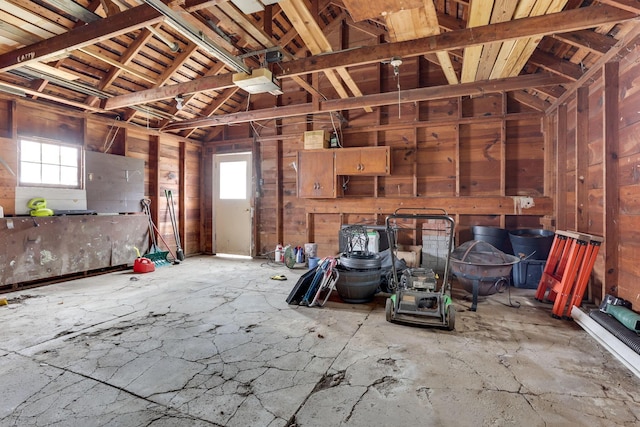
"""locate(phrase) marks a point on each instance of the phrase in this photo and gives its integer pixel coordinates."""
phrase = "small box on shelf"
(316, 139)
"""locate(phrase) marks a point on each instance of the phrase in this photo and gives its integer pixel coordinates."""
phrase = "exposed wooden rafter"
(80, 37)
(388, 98)
(308, 28)
(119, 57)
(571, 20)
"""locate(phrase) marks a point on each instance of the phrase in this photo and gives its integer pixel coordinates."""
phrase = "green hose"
(629, 318)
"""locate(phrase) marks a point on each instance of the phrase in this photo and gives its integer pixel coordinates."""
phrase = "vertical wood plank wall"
(597, 136)
(170, 163)
(474, 157)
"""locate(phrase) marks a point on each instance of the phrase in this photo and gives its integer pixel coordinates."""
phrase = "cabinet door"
(348, 161)
(375, 161)
(316, 175)
(363, 161)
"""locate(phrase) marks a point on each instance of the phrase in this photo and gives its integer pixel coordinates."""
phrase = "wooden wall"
(170, 163)
(474, 157)
(596, 134)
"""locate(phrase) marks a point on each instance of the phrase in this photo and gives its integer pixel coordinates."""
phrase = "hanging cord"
(399, 110)
(105, 147)
(395, 63)
(255, 131)
(335, 130)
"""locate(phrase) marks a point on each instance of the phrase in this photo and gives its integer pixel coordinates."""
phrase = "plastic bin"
(527, 273)
(497, 237)
(531, 243)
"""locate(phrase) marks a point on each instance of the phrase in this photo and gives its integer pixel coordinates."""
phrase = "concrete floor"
(213, 342)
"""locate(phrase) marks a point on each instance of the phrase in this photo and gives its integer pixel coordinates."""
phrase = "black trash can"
(496, 237)
(531, 243)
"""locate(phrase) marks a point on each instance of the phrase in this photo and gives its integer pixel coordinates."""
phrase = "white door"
(232, 209)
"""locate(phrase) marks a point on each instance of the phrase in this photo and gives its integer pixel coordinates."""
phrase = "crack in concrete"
(328, 381)
(245, 359)
(326, 377)
(167, 410)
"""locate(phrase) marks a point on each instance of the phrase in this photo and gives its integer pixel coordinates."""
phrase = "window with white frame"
(49, 163)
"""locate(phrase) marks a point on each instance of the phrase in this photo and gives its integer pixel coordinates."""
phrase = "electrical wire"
(338, 138)
(105, 148)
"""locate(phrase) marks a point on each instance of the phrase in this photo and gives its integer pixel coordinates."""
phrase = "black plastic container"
(531, 243)
(496, 237)
(527, 273)
(358, 287)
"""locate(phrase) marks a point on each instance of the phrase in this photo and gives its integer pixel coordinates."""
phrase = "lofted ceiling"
(187, 66)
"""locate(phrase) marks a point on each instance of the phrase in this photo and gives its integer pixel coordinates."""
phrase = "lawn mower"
(422, 296)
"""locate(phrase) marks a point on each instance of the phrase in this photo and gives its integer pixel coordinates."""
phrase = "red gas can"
(143, 265)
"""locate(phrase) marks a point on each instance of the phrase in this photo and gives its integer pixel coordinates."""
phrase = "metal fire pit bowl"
(481, 269)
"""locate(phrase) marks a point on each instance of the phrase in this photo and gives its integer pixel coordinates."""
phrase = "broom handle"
(164, 241)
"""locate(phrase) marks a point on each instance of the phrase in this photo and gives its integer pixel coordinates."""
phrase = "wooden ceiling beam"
(570, 20)
(215, 70)
(451, 23)
(57, 99)
(514, 53)
(443, 57)
(446, 91)
(586, 39)
(479, 15)
(203, 84)
(367, 27)
(125, 59)
(549, 62)
(628, 5)
(316, 41)
(212, 108)
(614, 54)
(80, 37)
(374, 100)
(409, 24)
(554, 92)
(503, 11)
(195, 5)
(115, 63)
(166, 75)
(249, 30)
(530, 100)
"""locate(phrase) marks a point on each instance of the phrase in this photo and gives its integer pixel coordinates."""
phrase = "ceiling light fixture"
(179, 102)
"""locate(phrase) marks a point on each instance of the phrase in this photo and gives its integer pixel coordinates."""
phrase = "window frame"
(39, 140)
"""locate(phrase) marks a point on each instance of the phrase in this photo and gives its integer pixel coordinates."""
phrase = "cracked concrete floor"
(212, 342)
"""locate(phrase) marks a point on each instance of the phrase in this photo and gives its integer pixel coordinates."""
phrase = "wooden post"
(182, 194)
(503, 153)
(582, 160)
(457, 151)
(610, 171)
(561, 167)
(279, 195)
(154, 178)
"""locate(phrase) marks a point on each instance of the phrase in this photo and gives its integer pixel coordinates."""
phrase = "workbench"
(38, 248)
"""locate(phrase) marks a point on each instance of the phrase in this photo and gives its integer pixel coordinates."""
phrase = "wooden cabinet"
(316, 174)
(370, 161)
